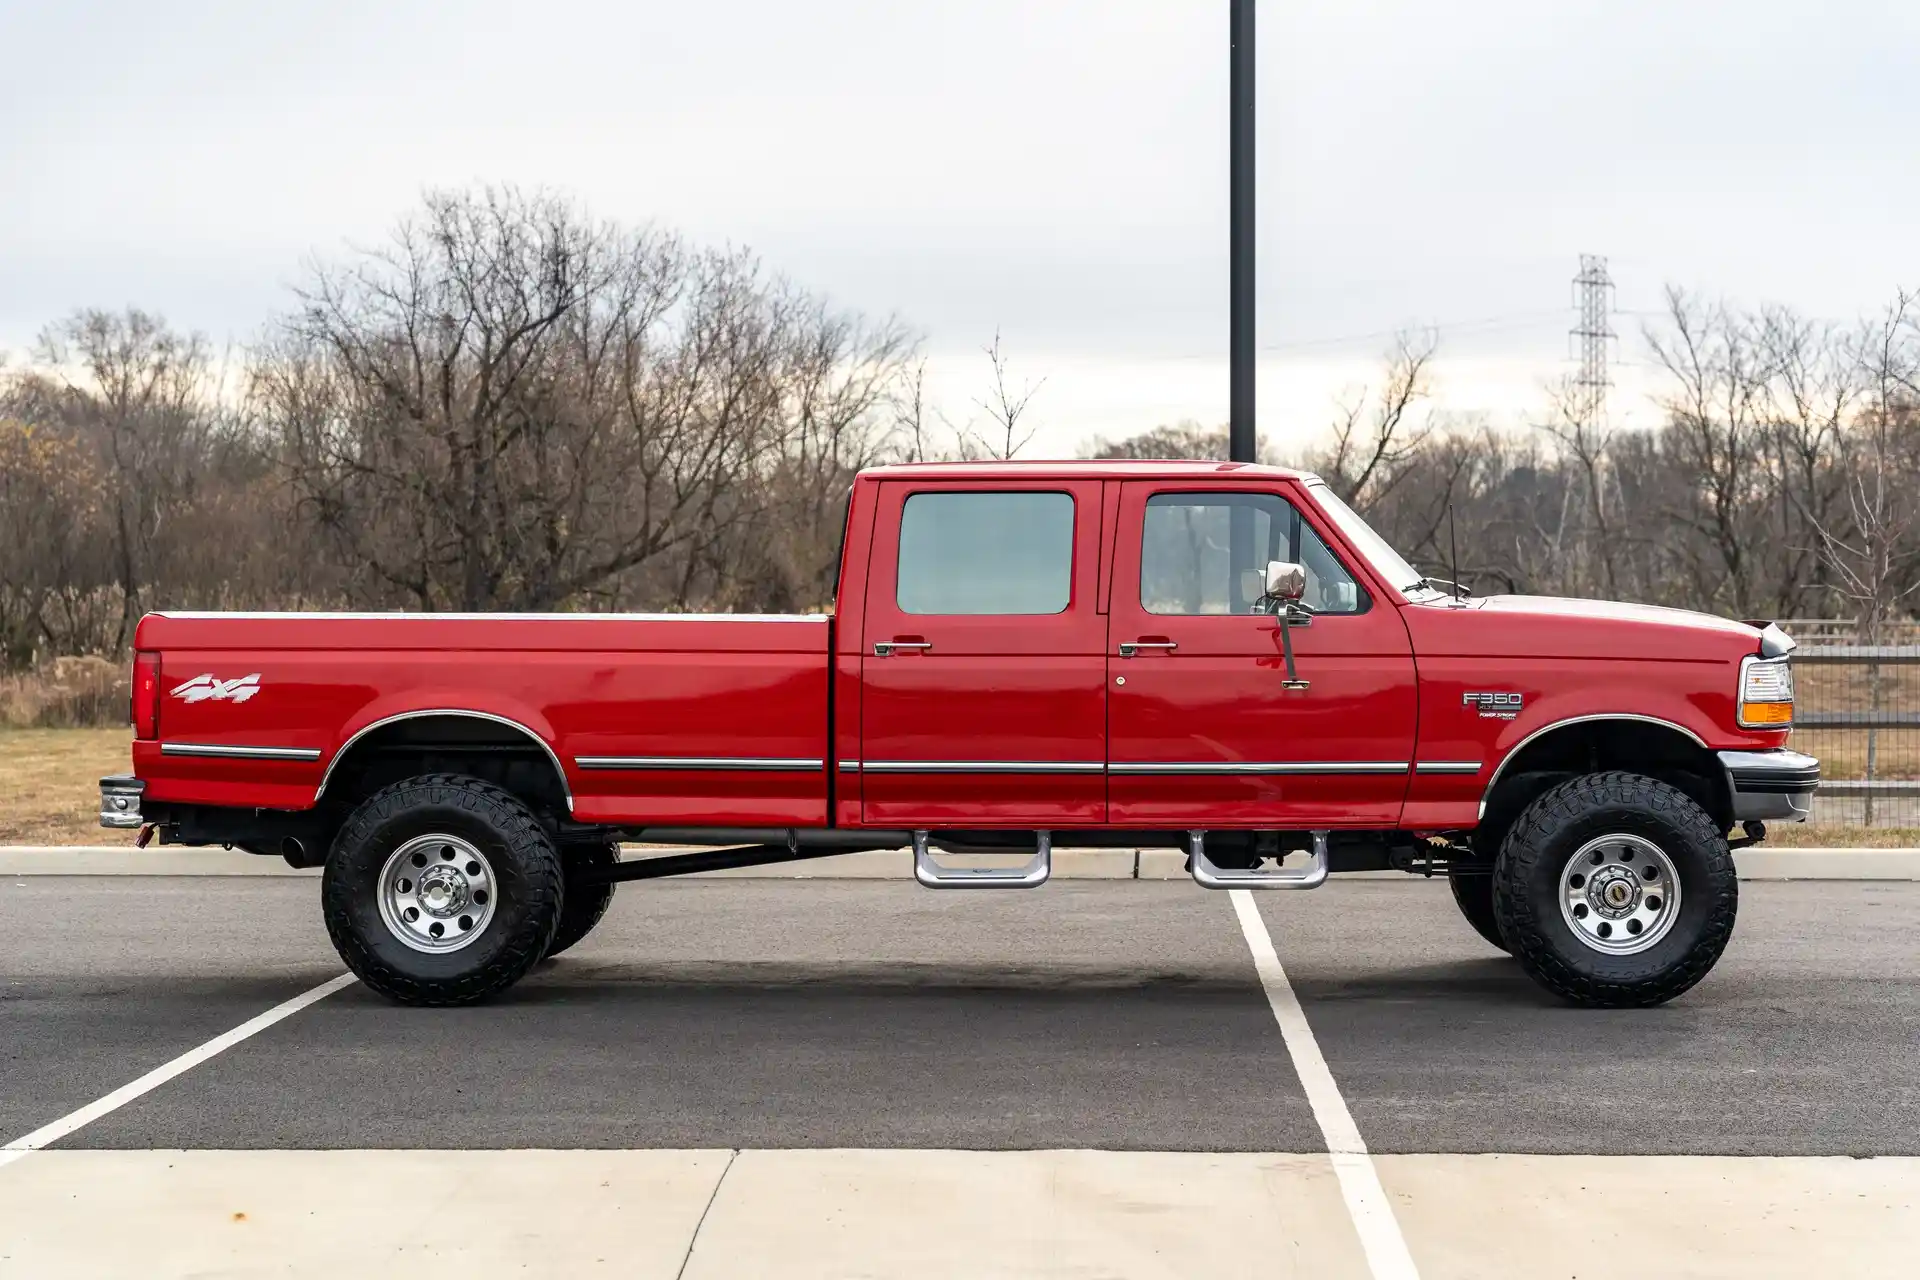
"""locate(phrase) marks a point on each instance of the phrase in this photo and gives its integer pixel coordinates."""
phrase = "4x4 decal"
(210, 688)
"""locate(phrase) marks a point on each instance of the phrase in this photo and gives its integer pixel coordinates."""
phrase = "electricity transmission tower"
(1593, 299)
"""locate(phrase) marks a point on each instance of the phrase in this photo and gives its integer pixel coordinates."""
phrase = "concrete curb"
(897, 864)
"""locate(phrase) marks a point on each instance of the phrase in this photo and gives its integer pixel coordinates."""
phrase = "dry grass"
(66, 693)
(50, 784)
(1807, 835)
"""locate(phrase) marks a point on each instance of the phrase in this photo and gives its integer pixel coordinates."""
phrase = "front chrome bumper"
(1771, 785)
(120, 801)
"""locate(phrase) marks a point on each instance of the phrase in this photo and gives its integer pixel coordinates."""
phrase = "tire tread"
(525, 839)
(1532, 838)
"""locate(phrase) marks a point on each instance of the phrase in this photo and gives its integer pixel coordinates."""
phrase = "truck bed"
(707, 719)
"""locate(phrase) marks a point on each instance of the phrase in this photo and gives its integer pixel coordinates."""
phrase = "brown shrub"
(67, 693)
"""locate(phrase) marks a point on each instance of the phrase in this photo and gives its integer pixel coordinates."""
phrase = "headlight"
(1766, 693)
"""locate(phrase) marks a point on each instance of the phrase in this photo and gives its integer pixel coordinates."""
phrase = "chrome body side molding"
(750, 764)
(220, 751)
(980, 766)
(1172, 767)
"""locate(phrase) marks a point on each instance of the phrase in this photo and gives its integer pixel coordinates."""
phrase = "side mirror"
(1285, 581)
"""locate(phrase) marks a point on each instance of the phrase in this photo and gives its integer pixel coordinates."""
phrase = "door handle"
(885, 647)
(1130, 647)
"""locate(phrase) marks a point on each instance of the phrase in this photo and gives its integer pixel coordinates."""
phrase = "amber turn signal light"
(1769, 714)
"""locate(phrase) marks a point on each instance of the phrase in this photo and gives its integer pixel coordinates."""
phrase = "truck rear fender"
(440, 733)
(1631, 743)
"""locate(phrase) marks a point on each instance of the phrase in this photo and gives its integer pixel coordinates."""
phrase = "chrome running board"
(1029, 875)
(1208, 876)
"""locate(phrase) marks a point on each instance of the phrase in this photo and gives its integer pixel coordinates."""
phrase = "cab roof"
(1084, 469)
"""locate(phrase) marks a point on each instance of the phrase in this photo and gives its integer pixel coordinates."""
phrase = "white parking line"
(50, 1133)
(1367, 1203)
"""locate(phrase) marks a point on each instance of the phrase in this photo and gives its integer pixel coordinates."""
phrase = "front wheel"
(1615, 890)
(442, 889)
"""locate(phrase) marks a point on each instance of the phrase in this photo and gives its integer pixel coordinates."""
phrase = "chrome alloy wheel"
(1619, 894)
(436, 893)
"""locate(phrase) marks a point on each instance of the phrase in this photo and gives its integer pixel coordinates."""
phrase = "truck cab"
(1217, 657)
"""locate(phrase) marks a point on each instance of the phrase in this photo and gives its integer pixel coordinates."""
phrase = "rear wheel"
(442, 889)
(586, 902)
(1473, 894)
(1615, 890)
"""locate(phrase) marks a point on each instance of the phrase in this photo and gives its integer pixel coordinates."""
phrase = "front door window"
(1188, 561)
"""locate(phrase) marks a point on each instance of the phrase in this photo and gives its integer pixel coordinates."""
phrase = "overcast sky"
(1056, 168)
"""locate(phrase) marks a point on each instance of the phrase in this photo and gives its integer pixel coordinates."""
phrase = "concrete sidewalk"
(709, 1214)
(896, 864)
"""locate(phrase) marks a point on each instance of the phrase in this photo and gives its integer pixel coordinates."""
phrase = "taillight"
(146, 695)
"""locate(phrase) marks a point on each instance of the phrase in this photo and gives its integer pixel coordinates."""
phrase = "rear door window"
(986, 553)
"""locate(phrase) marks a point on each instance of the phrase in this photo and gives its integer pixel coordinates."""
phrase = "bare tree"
(1716, 418)
(1375, 434)
(1179, 440)
(139, 393)
(1874, 553)
(514, 406)
(1820, 379)
(909, 438)
(1585, 537)
(49, 548)
(1004, 436)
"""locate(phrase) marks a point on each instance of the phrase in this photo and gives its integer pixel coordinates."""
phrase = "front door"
(1203, 733)
(983, 672)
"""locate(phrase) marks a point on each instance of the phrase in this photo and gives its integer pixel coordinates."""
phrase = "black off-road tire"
(585, 903)
(1526, 889)
(1473, 894)
(527, 880)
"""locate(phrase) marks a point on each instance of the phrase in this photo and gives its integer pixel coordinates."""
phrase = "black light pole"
(1240, 435)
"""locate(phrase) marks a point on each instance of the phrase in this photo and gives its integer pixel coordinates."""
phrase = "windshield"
(1385, 560)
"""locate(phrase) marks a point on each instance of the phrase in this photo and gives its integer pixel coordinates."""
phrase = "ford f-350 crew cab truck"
(1219, 658)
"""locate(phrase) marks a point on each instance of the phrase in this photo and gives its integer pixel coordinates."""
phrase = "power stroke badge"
(1494, 706)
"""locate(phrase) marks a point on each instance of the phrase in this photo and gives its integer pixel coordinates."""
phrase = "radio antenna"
(1453, 549)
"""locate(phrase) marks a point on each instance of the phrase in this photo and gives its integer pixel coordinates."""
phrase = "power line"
(1514, 319)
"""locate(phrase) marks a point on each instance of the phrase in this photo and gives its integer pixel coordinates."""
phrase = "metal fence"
(1858, 710)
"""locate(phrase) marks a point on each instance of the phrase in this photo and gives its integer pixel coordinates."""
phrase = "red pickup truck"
(1219, 658)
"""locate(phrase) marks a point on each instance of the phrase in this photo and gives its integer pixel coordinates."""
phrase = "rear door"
(983, 675)
(1203, 732)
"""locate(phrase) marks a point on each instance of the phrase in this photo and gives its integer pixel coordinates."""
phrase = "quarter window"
(1188, 563)
(991, 553)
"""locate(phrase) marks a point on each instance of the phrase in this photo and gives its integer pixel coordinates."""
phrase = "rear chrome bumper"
(120, 801)
(1771, 785)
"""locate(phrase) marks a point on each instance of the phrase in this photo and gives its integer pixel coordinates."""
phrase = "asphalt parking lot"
(1103, 1029)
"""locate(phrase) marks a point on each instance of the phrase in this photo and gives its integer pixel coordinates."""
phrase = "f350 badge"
(210, 688)
(1495, 706)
